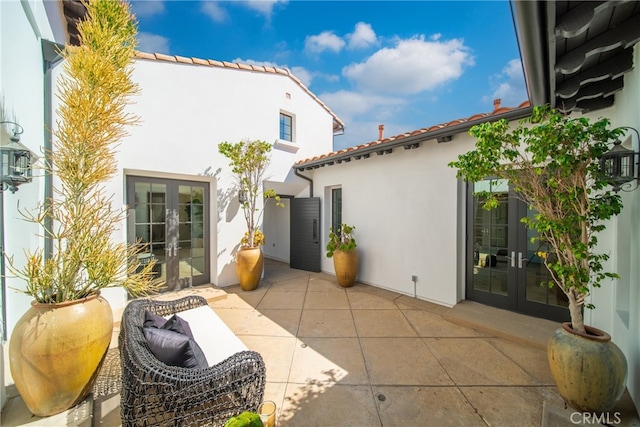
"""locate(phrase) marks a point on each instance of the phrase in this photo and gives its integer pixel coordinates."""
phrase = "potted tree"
(249, 161)
(552, 161)
(342, 248)
(58, 345)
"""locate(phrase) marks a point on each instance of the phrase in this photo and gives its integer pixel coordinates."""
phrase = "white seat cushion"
(212, 335)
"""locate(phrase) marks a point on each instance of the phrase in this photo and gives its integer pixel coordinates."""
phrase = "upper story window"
(286, 127)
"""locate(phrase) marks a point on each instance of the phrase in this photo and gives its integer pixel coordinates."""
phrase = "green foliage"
(553, 163)
(341, 239)
(245, 419)
(93, 95)
(249, 161)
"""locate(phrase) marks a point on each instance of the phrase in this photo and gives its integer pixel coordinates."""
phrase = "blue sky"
(406, 65)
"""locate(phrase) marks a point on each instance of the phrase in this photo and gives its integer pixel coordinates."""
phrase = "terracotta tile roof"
(338, 125)
(409, 140)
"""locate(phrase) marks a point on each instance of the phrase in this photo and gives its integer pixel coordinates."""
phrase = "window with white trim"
(286, 127)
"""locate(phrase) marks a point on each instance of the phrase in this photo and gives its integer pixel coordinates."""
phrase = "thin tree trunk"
(575, 309)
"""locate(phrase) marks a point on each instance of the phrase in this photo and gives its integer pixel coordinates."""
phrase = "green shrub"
(341, 239)
(245, 419)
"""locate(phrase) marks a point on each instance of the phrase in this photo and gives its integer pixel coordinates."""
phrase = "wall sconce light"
(619, 165)
(16, 160)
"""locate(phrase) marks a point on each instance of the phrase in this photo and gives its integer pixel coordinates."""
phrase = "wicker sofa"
(155, 394)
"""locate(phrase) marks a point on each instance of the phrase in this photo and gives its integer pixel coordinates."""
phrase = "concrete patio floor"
(364, 356)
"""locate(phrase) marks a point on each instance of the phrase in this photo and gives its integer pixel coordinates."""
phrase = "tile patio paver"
(329, 360)
(428, 324)
(321, 405)
(473, 361)
(382, 323)
(327, 323)
(329, 300)
(402, 361)
(370, 301)
(426, 406)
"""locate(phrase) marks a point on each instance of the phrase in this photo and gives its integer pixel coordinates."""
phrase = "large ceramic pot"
(345, 264)
(589, 369)
(56, 351)
(249, 263)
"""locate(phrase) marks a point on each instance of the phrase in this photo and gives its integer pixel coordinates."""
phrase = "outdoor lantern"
(16, 159)
(619, 164)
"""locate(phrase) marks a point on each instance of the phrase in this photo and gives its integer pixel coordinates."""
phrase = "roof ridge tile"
(338, 123)
(433, 128)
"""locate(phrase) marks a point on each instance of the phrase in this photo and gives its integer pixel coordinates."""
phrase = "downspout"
(528, 17)
(307, 179)
(51, 57)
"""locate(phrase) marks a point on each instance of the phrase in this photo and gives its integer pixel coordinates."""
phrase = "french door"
(171, 218)
(504, 267)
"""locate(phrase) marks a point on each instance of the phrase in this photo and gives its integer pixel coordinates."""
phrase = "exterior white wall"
(618, 301)
(277, 224)
(22, 24)
(404, 208)
(186, 110)
(410, 214)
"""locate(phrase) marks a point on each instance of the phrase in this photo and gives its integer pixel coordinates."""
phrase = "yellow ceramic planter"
(345, 264)
(56, 351)
(589, 370)
(249, 263)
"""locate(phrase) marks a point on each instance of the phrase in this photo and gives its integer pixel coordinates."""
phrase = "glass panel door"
(534, 297)
(171, 219)
(490, 233)
(191, 249)
(150, 205)
(504, 267)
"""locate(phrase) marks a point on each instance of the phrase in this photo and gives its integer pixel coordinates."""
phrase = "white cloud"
(362, 37)
(303, 74)
(152, 43)
(258, 63)
(326, 40)
(513, 69)
(413, 65)
(509, 86)
(147, 8)
(347, 104)
(214, 11)
(264, 7)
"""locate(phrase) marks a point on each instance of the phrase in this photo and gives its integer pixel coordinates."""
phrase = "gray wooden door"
(305, 234)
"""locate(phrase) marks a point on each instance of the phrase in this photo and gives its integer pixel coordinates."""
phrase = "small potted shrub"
(249, 161)
(342, 248)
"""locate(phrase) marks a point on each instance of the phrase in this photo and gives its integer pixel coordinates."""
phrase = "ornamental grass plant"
(93, 92)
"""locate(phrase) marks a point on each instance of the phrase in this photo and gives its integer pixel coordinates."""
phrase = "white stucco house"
(418, 231)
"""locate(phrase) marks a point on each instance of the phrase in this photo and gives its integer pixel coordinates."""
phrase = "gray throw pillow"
(178, 324)
(152, 320)
(174, 348)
